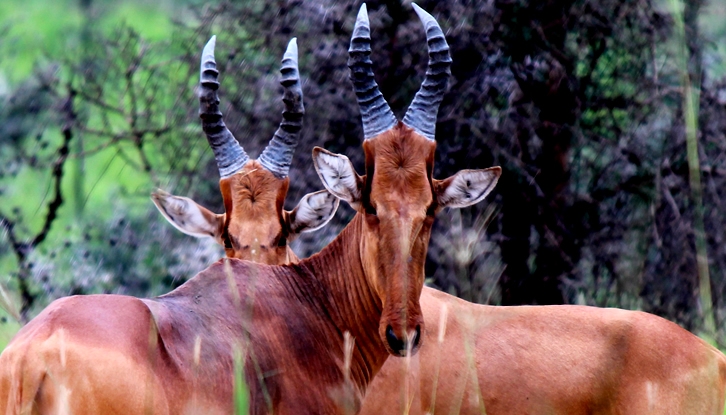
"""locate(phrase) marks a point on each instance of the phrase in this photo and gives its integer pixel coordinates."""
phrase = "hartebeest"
(515, 360)
(560, 360)
(172, 354)
(254, 226)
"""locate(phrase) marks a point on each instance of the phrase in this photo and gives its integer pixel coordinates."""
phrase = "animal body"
(562, 360)
(310, 335)
(559, 360)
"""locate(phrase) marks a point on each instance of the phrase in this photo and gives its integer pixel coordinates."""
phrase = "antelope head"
(398, 197)
(254, 226)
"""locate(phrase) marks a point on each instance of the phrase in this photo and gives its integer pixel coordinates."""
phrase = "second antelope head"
(254, 226)
(398, 196)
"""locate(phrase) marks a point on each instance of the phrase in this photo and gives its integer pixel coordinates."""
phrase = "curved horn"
(421, 115)
(277, 156)
(230, 156)
(374, 110)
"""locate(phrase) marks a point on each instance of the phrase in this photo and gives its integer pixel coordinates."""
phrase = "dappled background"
(582, 103)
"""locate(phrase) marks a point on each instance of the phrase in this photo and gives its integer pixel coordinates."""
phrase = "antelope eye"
(282, 241)
(370, 210)
(431, 211)
(227, 241)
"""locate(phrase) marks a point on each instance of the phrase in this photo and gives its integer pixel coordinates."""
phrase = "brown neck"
(351, 302)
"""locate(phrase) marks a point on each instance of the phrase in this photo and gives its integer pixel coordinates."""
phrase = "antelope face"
(253, 202)
(254, 226)
(399, 211)
(398, 196)
(399, 199)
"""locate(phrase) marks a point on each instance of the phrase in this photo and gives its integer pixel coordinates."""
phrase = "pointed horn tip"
(362, 15)
(209, 47)
(291, 51)
(423, 15)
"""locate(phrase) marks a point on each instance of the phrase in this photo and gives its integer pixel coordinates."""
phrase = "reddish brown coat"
(550, 359)
(115, 354)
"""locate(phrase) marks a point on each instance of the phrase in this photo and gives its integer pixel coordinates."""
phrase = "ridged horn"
(421, 115)
(277, 156)
(374, 110)
(230, 156)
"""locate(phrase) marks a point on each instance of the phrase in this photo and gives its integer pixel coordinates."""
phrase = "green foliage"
(8, 328)
(109, 85)
(31, 35)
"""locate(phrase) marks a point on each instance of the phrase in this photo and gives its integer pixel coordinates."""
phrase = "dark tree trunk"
(534, 36)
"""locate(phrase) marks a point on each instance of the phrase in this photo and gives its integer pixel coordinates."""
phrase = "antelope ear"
(338, 176)
(466, 187)
(187, 216)
(312, 213)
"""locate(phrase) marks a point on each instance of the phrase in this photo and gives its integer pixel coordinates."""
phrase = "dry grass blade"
(7, 304)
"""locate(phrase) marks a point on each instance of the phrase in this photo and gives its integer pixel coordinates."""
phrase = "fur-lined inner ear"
(312, 213)
(187, 216)
(466, 187)
(338, 176)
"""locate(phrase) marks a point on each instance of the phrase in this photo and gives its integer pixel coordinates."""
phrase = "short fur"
(560, 360)
(289, 322)
(252, 197)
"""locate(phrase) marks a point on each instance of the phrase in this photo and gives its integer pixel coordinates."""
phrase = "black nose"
(399, 346)
(416, 337)
(394, 342)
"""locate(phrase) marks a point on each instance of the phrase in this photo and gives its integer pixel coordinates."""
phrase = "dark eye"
(431, 211)
(370, 210)
(282, 241)
(227, 241)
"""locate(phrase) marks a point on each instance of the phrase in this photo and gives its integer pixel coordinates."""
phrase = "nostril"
(394, 342)
(417, 337)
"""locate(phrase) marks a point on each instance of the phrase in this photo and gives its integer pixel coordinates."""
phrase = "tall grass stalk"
(241, 392)
(691, 94)
(443, 318)
(8, 305)
(150, 374)
(241, 395)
